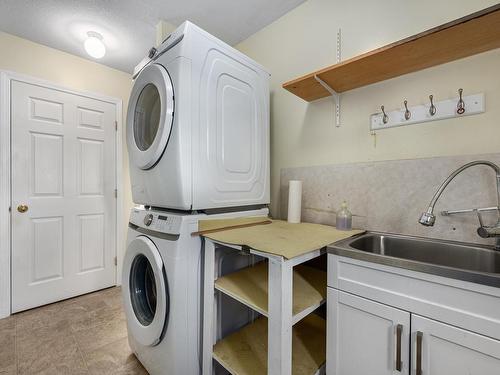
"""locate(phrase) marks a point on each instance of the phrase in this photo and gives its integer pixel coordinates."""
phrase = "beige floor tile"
(9, 370)
(97, 317)
(109, 358)
(69, 337)
(8, 323)
(103, 334)
(7, 346)
(114, 298)
(37, 349)
(93, 301)
(50, 315)
(134, 368)
(68, 362)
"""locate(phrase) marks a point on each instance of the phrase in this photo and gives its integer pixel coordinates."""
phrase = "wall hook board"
(436, 110)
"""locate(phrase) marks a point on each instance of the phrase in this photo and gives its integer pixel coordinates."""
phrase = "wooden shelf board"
(245, 351)
(250, 285)
(467, 36)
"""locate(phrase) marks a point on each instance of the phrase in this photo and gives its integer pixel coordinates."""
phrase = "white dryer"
(161, 287)
(198, 125)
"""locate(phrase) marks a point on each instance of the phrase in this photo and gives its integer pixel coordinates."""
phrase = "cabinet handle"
(399, 333)
(420, 336)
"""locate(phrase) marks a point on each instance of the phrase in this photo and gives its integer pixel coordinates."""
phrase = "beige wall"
(36, 60)
(303, 40)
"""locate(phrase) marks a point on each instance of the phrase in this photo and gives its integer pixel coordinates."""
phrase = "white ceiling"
(128, 26)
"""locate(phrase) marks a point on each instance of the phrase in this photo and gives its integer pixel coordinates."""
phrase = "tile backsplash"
(389, 196)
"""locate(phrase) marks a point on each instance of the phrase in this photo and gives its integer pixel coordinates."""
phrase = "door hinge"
(116, 125)
(116, 261)
(116, 193)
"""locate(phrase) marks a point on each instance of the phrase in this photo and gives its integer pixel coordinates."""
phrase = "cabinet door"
(438, 349)
(365, 337)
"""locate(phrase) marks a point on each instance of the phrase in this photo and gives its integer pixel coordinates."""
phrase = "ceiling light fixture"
(94, 45)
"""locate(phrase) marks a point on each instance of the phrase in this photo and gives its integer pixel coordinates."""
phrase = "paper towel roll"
(294, 201)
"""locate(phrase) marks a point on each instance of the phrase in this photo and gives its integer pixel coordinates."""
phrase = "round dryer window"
(147, 117)
(150, 116)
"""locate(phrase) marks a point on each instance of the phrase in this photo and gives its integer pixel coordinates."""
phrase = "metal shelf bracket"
(336, 97)
(333, 93)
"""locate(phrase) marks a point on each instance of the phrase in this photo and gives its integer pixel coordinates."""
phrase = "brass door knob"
(22, 208)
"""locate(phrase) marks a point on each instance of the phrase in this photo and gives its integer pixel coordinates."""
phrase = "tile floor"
(79, 336)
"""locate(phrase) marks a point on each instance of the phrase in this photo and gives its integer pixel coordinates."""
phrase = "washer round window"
(147, 117)
(143, 290)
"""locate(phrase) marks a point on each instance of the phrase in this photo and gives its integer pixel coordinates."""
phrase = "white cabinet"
(366, 337)
(446, 326)
(443, 349)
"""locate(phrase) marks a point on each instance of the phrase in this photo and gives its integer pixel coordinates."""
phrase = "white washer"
(198, 126)
(161, 289)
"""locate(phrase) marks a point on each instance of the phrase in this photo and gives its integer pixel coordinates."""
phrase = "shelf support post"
(333, 93)
(209, 307)
(280, 320)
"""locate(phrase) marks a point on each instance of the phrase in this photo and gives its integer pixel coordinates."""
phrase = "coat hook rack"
(434, 110)
(331, 91)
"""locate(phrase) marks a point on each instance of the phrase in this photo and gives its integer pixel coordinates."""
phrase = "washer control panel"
(156, 221)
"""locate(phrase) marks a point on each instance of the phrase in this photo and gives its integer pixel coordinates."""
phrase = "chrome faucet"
(428, 218)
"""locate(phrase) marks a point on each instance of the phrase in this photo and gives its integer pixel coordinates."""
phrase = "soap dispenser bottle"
(344, 218)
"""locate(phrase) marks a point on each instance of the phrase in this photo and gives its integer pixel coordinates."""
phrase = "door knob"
(22, 208)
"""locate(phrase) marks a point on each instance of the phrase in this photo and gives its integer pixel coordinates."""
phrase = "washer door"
(145, 291)
(150, 116)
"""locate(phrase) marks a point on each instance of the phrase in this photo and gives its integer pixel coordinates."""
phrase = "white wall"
(36, 60)
(304, 40)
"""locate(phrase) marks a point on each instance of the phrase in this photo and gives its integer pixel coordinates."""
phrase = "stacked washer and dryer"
(198, 143)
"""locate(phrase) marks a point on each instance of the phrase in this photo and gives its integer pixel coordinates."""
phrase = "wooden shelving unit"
(467, 36)
(250, 287)
(245, 351)
(288, 337)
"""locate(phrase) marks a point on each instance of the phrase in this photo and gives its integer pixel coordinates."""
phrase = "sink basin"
(469, 262)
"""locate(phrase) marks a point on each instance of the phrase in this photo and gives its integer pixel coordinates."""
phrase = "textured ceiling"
(128, 26)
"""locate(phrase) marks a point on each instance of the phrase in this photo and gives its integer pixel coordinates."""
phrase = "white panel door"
(439, 349)
(365, 337)
(63, 177)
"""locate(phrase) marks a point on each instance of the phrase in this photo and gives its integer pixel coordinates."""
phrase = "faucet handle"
(480, 218)
(485, 231)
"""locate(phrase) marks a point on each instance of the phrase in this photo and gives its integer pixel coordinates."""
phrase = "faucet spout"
(428, 218)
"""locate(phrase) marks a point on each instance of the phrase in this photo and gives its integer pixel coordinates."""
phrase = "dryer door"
(150, 116)
(145, 292)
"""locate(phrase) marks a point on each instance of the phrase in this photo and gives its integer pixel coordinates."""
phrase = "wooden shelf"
(467, 36)
(250, 285)
(245, 351)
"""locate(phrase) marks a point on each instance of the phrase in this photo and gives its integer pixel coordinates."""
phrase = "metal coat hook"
(385, 118)
(432, 108)
(461, 103)
(407, 111)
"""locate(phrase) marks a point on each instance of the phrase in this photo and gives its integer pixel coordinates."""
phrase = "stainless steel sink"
(469, 262)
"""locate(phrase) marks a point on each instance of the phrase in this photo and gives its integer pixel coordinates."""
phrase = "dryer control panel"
(164, 222)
